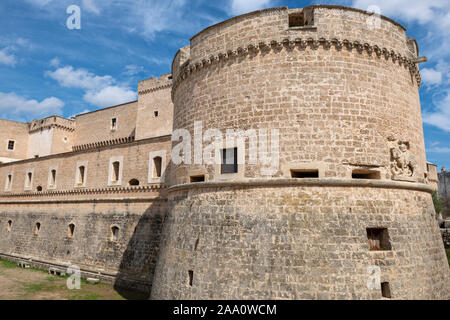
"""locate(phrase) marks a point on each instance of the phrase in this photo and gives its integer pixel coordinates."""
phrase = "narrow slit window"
(365, 174)
(9, 226)
(29, 179)
(229, 161)
(157, 163)
(114, 124)
(70, 230)
(11, 144)
(378, 239)
(37, 228)
(81, 177)
(9, 182)
(115, 171)
(300, 173)
(156, 113)
(190, 277)
(195, 179)
(52, 178)
(114, 233)
(385, 290)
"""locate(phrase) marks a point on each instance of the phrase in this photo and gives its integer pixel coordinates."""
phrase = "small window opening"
(378, 239)
(385, 290)
(36, 156)
(365, 174)
(81, 172)
(114, 233)
(300, 173)
(39, 189)
(9, 226)
(196, 244)
(134, 182)
(70, 230)
(37, 227)
(29, 179)
(52, 178)
(229, 161)
(191, 277)
(157, 162)
(156, 113)
(297, 20)
(114, 124)
(9, 182)
(200, 178)
(115, 171)
(11, 145)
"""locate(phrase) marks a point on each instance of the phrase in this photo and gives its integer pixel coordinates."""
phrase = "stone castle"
(351, 193)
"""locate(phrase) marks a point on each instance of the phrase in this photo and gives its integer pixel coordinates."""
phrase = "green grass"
(8, 264)
(85, 296)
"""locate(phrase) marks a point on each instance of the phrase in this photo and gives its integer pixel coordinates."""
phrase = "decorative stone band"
(150, 90)
(103, 143)
(112, 190)
(106, 200)
(51, 126)
(190, 67)
(320, 182)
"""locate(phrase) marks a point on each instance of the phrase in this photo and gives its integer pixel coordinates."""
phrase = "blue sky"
(47, 69)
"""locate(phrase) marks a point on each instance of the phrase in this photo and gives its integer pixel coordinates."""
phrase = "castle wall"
(155, 108)
(298, 241)
(96, 126)
(18, 132)
(40, 143)
(444, 191)
(343, 97)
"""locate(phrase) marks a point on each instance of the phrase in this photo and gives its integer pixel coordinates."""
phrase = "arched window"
(157, 162)
(70, 230)
(9, 226)
(115, 171)
(81, 171)
(37, 227)
(114, 233)
(52, 178)
(133, 182)
(29, 179)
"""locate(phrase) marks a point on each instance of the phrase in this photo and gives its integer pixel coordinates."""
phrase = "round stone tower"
(341, 210)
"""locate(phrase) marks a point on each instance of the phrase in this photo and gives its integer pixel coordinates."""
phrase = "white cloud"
(431, 76)
(39, 2)
(439, 150)
(55, 62)
(101, 91)
(244, 6)
(7, 58)
(441, 116)
(132, 70)
(110, 96)
(12, 105)
(90, 6)
(79, 78)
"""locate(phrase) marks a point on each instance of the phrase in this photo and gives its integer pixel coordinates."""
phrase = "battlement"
(51, 122)
(153, 84)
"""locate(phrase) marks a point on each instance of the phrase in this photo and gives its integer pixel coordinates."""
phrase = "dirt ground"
(34, 284)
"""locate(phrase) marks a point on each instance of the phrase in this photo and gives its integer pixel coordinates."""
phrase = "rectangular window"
(304, 173)
(81, 175)
(385, 290)
(378, 239)
(296, 20)
(156, 113)
(8, 184)
(114, 124)
(200, 178)
(52, 179)
(365, 174)
(229, 161)
(191, 277)
(11, 145)
(115, 171)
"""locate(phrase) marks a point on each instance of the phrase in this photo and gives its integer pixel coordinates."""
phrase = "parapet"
(51, 122)
(153, 84)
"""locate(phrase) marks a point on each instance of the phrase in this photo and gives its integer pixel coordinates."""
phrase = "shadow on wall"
(139, 259)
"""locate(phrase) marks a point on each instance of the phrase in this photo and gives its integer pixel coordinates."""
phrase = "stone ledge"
(316, 182)
(106, 200)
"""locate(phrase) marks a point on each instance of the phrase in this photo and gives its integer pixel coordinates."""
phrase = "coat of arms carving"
(403, 164)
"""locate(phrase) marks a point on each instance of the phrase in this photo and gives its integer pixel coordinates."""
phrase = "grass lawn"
(35, 284)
